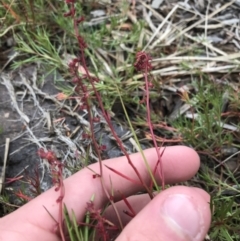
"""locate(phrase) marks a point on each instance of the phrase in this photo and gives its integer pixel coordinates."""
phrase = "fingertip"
(180, 163)
(187, 153)
(178, 213)
(202, 194)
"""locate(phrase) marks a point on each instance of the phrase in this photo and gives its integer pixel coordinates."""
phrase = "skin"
(32, 222)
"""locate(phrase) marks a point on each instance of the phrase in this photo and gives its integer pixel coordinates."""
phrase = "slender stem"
(97, 149)
(106, 117)
(151, 128)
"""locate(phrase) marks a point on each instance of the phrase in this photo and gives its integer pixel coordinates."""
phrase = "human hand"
(176, 214)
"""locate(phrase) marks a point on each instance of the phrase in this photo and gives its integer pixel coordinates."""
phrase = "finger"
(136, 202)
(177, 214)
(179, 164)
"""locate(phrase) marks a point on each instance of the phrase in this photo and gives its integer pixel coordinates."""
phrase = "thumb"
(176, 214)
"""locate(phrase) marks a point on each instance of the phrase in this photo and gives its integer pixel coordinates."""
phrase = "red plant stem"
(84, 65)
(161, 174)
(13, 179)
(118, 140)
(82, 56)
(124, 176)
(56, 168)
(133, 213)
(60, 211)
(81, 60)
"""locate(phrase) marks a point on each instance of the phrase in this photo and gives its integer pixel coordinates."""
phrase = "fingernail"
(183, 216)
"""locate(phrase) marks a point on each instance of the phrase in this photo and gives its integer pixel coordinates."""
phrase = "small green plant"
(226, 219)
(203, 126)
(38, 45)
(6, 206)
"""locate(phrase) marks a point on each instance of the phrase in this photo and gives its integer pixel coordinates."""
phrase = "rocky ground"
(33, 117)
